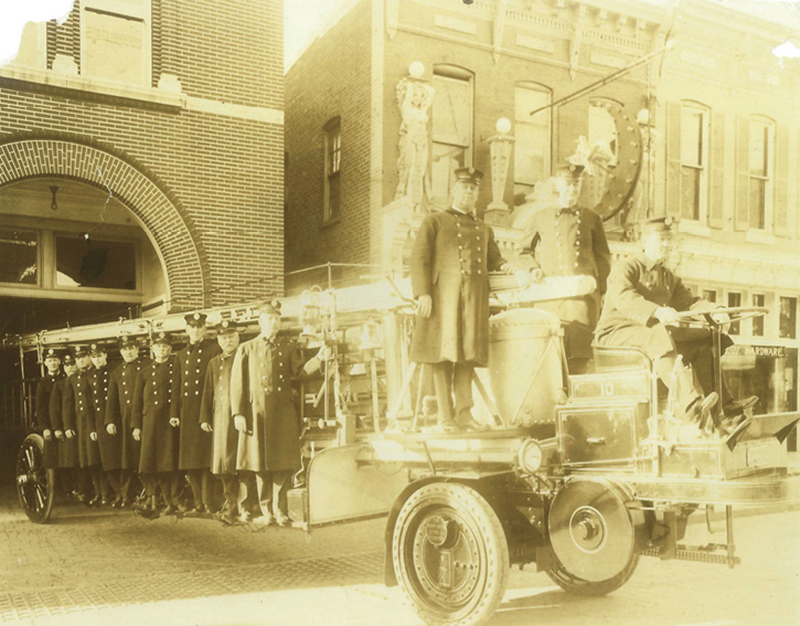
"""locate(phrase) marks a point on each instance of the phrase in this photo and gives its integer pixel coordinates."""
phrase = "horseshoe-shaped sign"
(621, 183)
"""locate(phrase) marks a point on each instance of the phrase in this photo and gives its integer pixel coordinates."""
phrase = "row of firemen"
(214, 412)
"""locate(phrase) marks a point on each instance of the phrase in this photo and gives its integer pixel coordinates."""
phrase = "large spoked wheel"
(450, 555)
(34, 482)
(593, 527)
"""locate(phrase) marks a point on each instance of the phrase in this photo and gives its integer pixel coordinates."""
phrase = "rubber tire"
(45, 480)
(494, 570)
(577, 586)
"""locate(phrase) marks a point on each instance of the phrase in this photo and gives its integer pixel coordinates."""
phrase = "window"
(82, 262)
(734, 299)
(19, 251)
(533, 136)
(451, 125)
(787, 327)
(710, 295)
(333, 162)
(694, 161)
(761, 149)
(758, 322)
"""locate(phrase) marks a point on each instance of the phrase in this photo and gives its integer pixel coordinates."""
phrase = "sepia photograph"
(399, 312)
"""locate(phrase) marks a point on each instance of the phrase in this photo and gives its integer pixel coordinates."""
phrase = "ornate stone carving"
(414, 99)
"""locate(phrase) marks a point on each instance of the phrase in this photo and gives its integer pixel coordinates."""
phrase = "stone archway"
(170, 228)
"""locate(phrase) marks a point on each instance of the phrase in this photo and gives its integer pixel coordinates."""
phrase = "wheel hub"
(591, 530)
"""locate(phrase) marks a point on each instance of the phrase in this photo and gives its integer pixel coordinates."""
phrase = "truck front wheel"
(450, 555)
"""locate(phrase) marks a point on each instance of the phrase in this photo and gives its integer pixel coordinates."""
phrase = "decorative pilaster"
(500, 151)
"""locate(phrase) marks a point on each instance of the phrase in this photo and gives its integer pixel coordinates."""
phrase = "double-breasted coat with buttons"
(119, 410)
(571, 242)
(79, 416)
(215, 409)
(195, 443)
(44, 390)
(261, 391)
(152, 409)
(67, 448)
(109, 445)
(452, 256)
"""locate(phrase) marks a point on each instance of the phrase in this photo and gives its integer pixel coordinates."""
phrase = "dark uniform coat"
(215, 409)
(636, 288)
(67, 448)
(451, 259)
(44, 390)
(79, 416)
(571, 242)
(110, 445)
(119, 409)
(195, 443)
(261, 391)
(152, 409)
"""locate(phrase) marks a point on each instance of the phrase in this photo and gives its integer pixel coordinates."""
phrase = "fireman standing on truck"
(453, 253)
(119, 411)
(569, 240)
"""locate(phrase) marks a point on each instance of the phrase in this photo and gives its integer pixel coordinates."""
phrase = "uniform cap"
(271, 307)
(227, 327)
(79, 351)
(195, 319)
(570, 171)
(162, 337)
(52, 353)
(127, 340)
(97, 348)
(658, 225)
(468, 174)
(69, 359)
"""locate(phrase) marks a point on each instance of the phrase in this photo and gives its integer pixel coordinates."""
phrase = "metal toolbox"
(602, 434)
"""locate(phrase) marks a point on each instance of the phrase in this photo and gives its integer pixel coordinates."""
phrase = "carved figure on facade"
(414, 99)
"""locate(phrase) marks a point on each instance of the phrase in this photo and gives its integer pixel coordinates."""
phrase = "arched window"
(333, 160)
(533, 133)
(451, 123)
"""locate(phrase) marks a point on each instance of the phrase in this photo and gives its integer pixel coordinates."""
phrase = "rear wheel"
(34, 482)
(450, 555)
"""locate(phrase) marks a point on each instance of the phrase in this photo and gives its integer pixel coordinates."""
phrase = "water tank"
(525, 366)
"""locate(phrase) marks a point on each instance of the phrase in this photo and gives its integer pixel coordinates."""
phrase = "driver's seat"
(615, 358)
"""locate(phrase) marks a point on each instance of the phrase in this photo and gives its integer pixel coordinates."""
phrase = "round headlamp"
(530, 456)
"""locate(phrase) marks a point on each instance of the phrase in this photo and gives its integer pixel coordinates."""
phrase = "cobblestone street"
(97, 567)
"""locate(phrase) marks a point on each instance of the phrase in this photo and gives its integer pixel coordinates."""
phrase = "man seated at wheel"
(642, 310)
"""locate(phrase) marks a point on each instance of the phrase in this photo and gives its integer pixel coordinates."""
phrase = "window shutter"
(781, 208)
(715, 215)
(673, 159)
(741, 217)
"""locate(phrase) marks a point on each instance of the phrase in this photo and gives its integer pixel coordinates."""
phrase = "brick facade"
(201, 165)
(331, 79)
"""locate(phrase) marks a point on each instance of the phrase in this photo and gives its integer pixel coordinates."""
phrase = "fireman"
(44, 391)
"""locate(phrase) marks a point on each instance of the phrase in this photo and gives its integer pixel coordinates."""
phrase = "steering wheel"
(734, 313)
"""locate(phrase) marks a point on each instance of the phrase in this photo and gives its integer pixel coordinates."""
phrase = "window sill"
(331, 222)
(693, 227)
(759, 236)
(96, 87)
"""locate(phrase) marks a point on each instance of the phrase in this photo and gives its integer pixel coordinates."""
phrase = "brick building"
(141, 161)
(396, 93)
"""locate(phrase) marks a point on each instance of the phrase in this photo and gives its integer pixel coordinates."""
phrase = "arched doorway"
(34, 164)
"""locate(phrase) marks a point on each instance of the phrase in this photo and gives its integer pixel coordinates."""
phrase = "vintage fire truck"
(581, 474)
